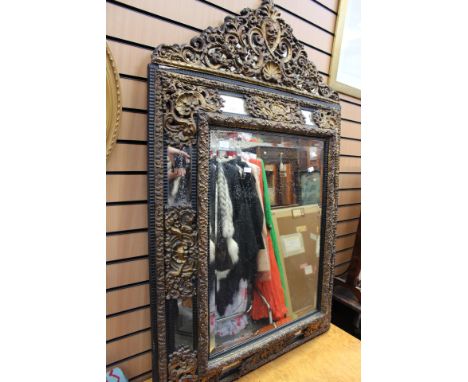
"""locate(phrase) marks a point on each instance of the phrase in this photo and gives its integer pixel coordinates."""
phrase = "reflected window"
(184, 322)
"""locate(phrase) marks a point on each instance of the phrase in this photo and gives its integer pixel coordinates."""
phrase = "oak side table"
(332, 357)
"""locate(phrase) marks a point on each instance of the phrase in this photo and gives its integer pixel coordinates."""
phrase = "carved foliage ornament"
(326, 119)
(180, 254)
(265, 354)
(257, 45)
(113, 102)
(181, 102)
(183, 365)
(273, 110)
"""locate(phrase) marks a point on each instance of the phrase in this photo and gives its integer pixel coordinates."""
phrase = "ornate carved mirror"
(242, 179)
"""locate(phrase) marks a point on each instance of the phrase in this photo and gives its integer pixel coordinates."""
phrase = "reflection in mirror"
(178, 175)
(265, 193)
(183, 319)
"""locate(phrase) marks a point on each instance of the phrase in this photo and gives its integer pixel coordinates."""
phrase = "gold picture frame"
(113, 102)
(337, 52)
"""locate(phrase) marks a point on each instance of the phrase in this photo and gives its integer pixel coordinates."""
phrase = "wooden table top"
(332, 357)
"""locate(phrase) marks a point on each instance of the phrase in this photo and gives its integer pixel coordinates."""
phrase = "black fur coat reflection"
(246, 217)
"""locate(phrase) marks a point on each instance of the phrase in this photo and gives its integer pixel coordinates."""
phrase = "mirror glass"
(265, 206)
(179, 176)
(183, 322)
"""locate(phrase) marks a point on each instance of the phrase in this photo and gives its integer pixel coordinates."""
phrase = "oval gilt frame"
(113, 102)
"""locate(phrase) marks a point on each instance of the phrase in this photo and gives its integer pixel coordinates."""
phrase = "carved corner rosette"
(180, 255)
(183, 365)
(257, 46)
(326, 118)
(181, 101)
(273, 109)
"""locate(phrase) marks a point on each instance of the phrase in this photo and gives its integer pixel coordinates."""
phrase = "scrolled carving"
(273, 110)
(312, 328)
(180, 254)
(257, 46)
(183, 365)
(182, 101)
(203, 251)
(265, 355)
(326, 118)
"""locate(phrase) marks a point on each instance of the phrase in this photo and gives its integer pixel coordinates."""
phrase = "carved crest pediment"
(257, 46)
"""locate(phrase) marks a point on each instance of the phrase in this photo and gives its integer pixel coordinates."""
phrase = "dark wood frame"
(184, 100)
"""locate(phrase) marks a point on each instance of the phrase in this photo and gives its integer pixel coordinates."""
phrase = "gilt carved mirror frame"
(253, 57)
